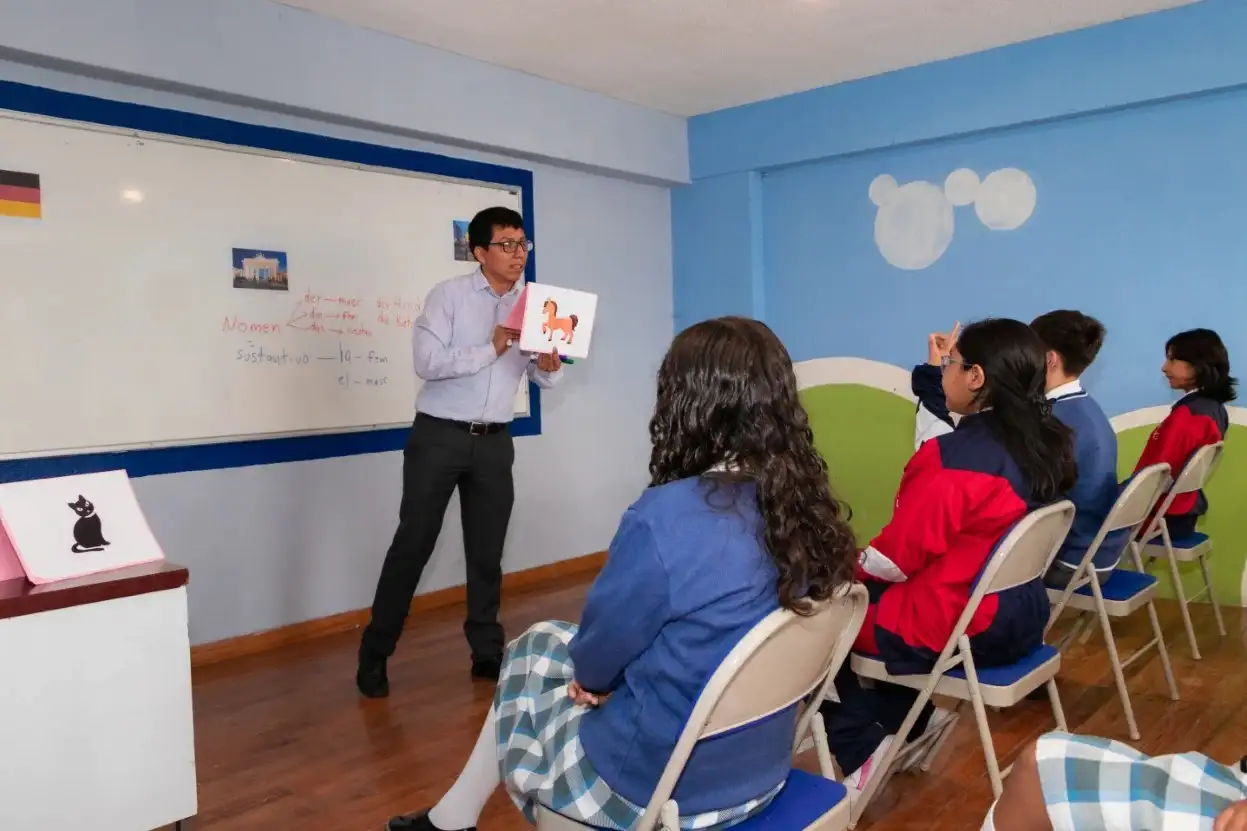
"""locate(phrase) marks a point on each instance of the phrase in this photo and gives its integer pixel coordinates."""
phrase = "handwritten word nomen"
(234, 324)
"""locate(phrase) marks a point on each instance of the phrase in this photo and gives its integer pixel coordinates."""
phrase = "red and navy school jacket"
(1195, 421)
(960, 494)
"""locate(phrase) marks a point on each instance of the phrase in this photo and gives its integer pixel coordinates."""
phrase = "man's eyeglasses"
(510, 246)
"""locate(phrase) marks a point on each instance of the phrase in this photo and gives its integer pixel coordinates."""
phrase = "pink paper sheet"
(10, 565)
(515, 320)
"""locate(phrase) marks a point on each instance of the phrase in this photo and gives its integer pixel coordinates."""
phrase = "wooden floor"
(284, 741)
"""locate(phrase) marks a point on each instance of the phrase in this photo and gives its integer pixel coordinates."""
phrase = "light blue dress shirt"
(452, 347)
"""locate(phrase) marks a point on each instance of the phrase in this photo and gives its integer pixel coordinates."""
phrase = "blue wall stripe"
(1182, 51)
(34, 100)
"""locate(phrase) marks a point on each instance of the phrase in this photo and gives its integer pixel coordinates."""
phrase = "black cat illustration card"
(71, 526)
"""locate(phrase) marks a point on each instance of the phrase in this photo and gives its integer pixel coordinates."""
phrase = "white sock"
(989, 824)
(462, 805)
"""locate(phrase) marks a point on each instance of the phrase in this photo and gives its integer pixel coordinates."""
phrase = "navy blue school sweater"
(685, 579)
(1095, 491)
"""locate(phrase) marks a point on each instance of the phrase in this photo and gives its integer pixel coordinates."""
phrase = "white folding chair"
(786, 660)
(1022, 556)
(1157, 542)
(1120, 592)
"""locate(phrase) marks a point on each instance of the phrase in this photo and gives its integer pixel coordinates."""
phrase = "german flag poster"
(19, 195)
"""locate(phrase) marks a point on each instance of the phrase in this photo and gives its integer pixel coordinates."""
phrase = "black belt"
(475, 428)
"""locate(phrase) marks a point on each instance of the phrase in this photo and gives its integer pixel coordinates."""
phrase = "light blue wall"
(725, 247)
(1139, 168)
(305, 540)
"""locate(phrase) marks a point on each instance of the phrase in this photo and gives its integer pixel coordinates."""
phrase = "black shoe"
(415, 822)
(371, 678)
(486, 669)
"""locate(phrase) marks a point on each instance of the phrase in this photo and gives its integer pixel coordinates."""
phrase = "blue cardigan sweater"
(1093, 495)
(686, 577)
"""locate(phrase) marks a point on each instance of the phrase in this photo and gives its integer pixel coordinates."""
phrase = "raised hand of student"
(940, 344)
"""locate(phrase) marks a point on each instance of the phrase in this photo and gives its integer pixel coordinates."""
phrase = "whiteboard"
(146, 306)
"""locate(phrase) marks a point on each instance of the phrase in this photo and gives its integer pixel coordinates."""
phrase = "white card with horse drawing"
(71, 526)
(558, 318)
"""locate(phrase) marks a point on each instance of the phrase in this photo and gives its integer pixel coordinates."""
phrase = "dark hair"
(1204, 351)
(481, 228)
(727, 393)
(1074, 336)
(1012, 358)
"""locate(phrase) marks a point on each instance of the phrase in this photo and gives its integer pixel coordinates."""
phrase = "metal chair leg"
(1212, 595)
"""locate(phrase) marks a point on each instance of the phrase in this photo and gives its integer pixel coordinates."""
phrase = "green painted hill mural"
(1226, 522)
(866, 435)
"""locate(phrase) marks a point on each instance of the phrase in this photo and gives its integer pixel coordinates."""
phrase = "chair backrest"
(1028, 549)
(1130, 510)
(779, 663)
(1022, 556)
(1198, 469)
(1195, 474)
(1135, 502)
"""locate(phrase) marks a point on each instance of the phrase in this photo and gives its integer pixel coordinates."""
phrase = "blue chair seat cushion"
(1121, 585)
(805, 798)
(1189, 541)
(1009, 674)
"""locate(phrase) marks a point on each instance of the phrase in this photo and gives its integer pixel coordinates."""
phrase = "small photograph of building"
(258, 269)
(463, 253)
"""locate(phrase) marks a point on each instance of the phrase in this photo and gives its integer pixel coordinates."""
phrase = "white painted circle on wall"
(882, 189)
(914, 225)
(962, 186)
(1006, 199)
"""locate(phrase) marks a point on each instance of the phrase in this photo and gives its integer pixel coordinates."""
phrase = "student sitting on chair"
(959, 496)
(1065, 782)
(738, 521)
(1197, 363)
(1073, 341)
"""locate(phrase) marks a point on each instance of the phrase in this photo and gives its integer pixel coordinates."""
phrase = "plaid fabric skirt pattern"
(1094, 783)
(540, 755)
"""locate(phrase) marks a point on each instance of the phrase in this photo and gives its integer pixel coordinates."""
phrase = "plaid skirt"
(1103, 785)
(540, 755)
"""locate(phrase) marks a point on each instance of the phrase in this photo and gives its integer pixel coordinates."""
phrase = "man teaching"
(471, 367)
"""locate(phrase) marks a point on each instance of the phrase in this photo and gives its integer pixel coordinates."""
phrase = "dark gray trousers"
(441, 456)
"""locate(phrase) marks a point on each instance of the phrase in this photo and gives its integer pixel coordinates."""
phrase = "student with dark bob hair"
(959, 495)
(1197, 363)
(738, 521)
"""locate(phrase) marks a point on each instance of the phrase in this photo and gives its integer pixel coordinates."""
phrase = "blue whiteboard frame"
(34, 100)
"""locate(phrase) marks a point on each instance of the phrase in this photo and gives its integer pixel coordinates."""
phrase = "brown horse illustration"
(554, 323)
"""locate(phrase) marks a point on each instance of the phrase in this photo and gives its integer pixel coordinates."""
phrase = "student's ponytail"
(1012, 358)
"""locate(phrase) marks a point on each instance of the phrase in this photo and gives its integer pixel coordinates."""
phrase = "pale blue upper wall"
(274, 55)
(307, 539)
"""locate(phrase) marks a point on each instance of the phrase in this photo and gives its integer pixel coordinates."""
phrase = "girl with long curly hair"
(738, 521)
